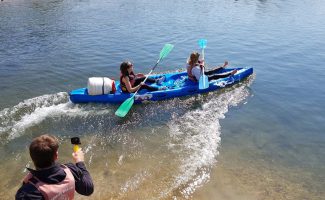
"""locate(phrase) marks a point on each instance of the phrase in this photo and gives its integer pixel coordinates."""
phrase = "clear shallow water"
(262, 139)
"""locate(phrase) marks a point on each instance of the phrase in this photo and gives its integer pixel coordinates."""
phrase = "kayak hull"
(177, 83)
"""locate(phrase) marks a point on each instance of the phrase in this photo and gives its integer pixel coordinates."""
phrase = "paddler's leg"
(217, 69)
(148, 87)
(223, 75)
(141, 79)
(213, 71)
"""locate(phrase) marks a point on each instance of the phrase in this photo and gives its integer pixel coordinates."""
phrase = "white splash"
(196, 137)
(134, 182)
(14, 121)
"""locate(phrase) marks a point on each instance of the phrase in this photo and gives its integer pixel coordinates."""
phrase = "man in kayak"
(131, 82)
(52, 180)
(194, 67)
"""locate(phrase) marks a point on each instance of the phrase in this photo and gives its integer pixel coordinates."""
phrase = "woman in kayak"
(131, 82)
(195, 66)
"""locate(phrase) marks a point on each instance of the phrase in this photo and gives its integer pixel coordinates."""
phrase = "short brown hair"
(43, 149)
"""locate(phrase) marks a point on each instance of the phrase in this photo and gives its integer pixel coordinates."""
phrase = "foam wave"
(15, 120)
(29, 112)
(196, 137)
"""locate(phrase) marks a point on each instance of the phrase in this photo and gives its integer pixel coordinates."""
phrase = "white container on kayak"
(100, 86)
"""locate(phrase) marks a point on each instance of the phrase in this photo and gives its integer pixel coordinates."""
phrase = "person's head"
(194, 58)
(126, 68)
(44, 151)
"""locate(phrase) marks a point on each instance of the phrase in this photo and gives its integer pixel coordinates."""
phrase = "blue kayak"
(177, 84)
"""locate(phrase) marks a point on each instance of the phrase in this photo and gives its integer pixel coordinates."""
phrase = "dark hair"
(43, 149)
(124, 68)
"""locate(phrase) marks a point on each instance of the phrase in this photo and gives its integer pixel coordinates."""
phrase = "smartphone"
(75, 140)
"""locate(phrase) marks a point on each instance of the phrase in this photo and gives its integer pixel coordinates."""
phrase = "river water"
(260, 139)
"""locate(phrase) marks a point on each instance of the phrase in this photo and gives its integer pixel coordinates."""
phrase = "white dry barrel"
(100, 85)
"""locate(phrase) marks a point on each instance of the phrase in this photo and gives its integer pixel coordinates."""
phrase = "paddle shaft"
(203, 54)
(202, 71)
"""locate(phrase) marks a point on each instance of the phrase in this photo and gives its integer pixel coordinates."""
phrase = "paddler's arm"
(129, 86)
(83, 181)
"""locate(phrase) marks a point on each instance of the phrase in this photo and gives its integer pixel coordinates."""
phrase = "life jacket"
(190, 74)
(59, 191)
(194, 72)
(131, 77)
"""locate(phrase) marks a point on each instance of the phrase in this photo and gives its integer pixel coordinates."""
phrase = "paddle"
(204, 81)
(127, 104)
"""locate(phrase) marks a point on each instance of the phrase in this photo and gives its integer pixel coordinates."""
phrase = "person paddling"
(131, 82)
(51, 180)
(194, 67)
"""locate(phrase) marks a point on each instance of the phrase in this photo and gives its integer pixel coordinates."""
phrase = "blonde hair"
(194, 58)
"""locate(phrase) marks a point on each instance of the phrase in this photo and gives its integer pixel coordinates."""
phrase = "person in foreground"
(131, 82)
(52, 180)
(194, 67)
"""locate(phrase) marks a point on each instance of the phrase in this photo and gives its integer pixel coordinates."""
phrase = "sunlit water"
(260, 139)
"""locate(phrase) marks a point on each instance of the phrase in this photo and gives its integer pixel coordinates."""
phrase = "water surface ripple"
(261, 139)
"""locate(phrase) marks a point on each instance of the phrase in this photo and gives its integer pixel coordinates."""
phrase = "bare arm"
(129, 86)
